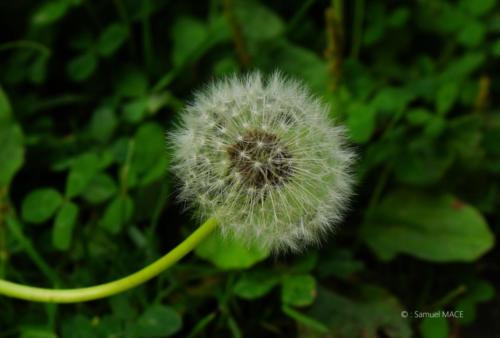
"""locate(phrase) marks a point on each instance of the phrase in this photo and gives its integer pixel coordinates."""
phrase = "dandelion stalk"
(36, 294)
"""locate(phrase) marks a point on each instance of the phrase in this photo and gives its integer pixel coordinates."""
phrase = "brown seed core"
(261, 159)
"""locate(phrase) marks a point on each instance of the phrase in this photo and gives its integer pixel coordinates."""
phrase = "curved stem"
(104, 290)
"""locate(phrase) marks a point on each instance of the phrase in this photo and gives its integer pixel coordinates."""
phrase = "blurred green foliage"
(89, 88)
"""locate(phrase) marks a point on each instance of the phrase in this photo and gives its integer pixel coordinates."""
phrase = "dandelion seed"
(276, 170)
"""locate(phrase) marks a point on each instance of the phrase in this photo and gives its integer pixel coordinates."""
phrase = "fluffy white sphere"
(263, 157)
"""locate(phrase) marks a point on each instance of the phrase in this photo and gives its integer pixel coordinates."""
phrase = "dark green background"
(88, 89)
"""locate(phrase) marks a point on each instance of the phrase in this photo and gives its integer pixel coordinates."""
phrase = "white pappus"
(262, 156)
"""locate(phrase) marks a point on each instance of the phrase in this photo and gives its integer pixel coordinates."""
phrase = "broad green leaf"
(434, 327)
(109, 326)
(37, 333)
(257, 21)
(158, 171)
(418, 116)
(392, 100)
(149, 145)
(188, 35)
(446, 96)
(78, 326)
(361, 122)
(5, 106)
(495, 49)
(371, 314)
(438, 228)
(422, 162)
(103, 124)
(50, 12)
(117, 214)
(298, 290)
(227, 253)
(472, 33)
(83, 169)
(158, 321)
(399, 17)
(40, 205)
(478, 291)
(255, 284)
(135, 110)
(101, 188)
(339, 263)
(477, 7)
(64, 223)
(112, 38)
(11, 151)
(82, 67)
(132, 83)
(298, 62)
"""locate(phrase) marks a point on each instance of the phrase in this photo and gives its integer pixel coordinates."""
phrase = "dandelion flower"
(263, 157)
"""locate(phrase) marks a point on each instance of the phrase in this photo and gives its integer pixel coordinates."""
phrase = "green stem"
(15, 229)
(27, 44)
(357, 34)
(104, 290)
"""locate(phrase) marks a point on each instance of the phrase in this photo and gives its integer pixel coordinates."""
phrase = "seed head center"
(260, 159)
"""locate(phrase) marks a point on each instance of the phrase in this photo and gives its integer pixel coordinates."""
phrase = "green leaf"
(149, 145)
(478, 291)
(83, 169)
(258, 21)
(438, 228)
(78, 326)
(11, 151)
(434, 327)
(298, 290)
(5, 106)
(371, 314)
(135, 110)
(299, 62)
(112, 38)
(392, 100)
(103, 124)
(418, 116)
(50, 12)
(227, 253)
(82, 67)
(422, 162)
(40, 205)
(446, 96)
(37, 333)
(101, 188)
(477, 7)
(495, 49)
(158, 171)
(255, 284)
(158, 321)
(361, 122)
(472, 34)
(303, 319)
(339, 263)
(64, 223)
(188, 35)
(132, 83)
(117, 214)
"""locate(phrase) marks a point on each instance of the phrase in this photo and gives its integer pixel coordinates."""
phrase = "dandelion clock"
(264, 159)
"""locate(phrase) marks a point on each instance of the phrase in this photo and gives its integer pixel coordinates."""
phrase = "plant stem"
(15, 229)
(357, 34)
(238, 38)
(104, 290)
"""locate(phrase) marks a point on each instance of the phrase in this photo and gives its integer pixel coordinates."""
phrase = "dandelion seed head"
(263, 157)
